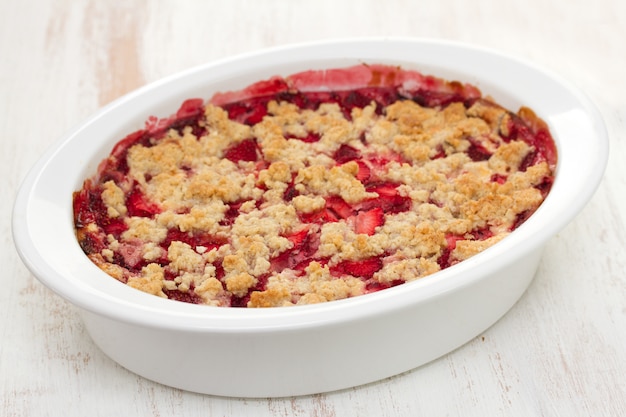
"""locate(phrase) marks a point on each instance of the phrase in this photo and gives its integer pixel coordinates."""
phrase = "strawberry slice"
(114, 227)
(364, 173)
(364, 268)
(388, 198)
(346, 153)
(441, 152)
(87, 203)
(249, 112)
(433, 98)
(139, 206)
(243, 151)
(477, 152)
(499, 178)
(121, 148)
(319, 216)
(194, 240)
(383, 189)
(521, 218)
(337, 208)
(444, 258)
(481, 234)
(305, 245)
(298, 237)
(311, 137)
(380, 162)
(366, 222)
(132, 254)
(186, 297)
(190, 108)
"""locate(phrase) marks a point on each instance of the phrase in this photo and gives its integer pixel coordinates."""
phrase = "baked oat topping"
(278, 196)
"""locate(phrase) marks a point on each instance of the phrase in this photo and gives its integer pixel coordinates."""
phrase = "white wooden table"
(561, 351)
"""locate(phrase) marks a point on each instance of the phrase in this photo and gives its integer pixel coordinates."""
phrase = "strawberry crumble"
(315, 187)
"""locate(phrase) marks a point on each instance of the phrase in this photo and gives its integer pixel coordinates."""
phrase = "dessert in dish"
(315, 187)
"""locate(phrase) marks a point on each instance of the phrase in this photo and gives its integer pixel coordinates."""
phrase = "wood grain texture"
(559, 352)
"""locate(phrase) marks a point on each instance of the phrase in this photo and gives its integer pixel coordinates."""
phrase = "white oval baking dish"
(318, 348)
